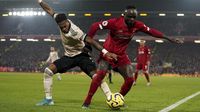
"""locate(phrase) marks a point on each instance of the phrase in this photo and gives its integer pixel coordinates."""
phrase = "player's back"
(120, 35)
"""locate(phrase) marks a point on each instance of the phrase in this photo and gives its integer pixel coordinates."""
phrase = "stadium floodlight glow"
(35, 13)
(30, 13)
(49, 40)
(53, 40)
(18, 14)
(180, 14)
(14, 13)
(32, 40)
(159, 41)
(143, 14)
(162, 14)
(71, 14)
(27, 13)
(197, 14)
(107, 14)
(43, 13)
(5, 15)
(138, 40)
(87, 14)
(10, 13)
(39, 13)
(14, 39)
(102, 40)
(22, 13)
(2, 40)
(197, 41)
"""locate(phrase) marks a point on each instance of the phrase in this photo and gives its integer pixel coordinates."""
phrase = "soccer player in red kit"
(121, 31)
(143, 61)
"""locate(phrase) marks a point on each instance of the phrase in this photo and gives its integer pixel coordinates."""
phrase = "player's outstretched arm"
(46, 7)
(100, 48)
(176, 40)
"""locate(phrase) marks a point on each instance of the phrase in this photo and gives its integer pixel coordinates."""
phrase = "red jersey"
(120, 35)
(143, 54)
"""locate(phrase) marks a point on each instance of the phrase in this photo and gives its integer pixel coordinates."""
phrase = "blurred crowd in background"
(165, 58)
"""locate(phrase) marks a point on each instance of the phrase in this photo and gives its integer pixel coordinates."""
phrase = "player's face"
(129, 16)
(64, 26)
(142, 43)
(52, 49)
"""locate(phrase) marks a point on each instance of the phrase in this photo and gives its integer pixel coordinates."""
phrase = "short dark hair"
(130, 7)
(60, 17)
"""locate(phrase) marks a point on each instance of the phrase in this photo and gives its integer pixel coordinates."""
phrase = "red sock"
(96, 81)
(127, 85)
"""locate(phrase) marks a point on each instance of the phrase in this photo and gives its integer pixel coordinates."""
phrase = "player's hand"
(177, 40)
(111, 56)
(39, 1)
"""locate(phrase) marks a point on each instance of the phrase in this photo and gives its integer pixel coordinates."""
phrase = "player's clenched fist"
(39, 1)
(111, 56)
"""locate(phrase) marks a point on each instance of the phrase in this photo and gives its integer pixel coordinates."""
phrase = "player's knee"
(100, 74)
(91, 74)
(48, 72)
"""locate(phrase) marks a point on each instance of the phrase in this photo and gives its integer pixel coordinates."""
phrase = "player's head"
(62, 22)
(52, 49)
(142, 42)
(130, 13)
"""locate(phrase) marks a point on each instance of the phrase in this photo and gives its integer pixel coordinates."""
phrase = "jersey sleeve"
(150, 31)
(107, 24)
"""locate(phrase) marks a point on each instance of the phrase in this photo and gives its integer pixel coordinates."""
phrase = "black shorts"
(83, 60)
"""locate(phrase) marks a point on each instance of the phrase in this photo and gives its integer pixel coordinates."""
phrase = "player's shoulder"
(137, 22)
(114, 19)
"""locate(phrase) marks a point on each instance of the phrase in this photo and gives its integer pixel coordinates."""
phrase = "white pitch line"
(167, 109)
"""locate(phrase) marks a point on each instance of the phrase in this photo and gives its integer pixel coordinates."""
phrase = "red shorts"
(121, 60)
(142, 66)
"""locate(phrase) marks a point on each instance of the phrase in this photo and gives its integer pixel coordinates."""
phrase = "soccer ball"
(115, 101)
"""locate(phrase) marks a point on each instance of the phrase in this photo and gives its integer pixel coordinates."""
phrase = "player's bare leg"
(135, 77)
(110, 77)
(127, 73)
(96, 82)
(147, 78)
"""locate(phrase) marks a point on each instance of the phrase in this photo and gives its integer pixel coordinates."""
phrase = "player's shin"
(147, 76)
(96, 81)
(48, 81)
(105, 88)
(136, 76)
(128, 82)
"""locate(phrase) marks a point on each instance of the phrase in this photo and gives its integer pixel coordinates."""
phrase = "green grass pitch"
(19, 92)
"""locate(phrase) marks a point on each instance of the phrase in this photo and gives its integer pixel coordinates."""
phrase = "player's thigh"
(64, 63)
(126, 70)
(103, 65)
(87, 65)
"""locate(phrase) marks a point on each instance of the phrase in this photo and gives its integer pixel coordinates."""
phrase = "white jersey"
(73, 40)
(52, 57)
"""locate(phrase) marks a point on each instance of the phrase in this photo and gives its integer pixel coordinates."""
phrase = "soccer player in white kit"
(73, 40)
(53, 56)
